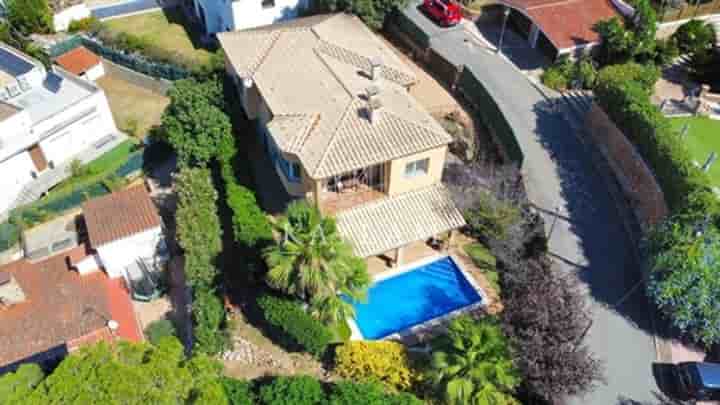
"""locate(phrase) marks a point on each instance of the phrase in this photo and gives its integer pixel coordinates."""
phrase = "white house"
(47, 119)
(232, 15)
(125, 231)
(63, 11)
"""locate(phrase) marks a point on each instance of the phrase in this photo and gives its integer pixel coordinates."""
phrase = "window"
(417, 168)
(268, 3)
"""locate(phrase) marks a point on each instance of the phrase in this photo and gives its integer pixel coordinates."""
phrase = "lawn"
(132, 105)
(703, 137)
(95, 170)
(165, 29)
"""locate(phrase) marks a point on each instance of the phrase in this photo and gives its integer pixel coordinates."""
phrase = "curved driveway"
(588, 238)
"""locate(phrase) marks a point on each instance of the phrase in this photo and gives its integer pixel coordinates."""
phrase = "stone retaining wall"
(635, 178)
(158, 86)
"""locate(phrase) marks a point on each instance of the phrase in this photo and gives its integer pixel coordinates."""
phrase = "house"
(332, 105)
(215, 16)
(47, 310)
(48, 118)
(125, 234)
(83, 63)
(66, 11)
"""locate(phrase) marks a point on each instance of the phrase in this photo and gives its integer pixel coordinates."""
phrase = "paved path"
(588, 238)
(127, 8)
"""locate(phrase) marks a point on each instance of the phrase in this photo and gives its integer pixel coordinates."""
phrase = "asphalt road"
(587, 239)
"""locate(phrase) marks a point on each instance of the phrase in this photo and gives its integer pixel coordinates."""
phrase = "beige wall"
(396, 181)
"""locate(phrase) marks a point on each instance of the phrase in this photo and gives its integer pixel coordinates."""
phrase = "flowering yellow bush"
(384, 362)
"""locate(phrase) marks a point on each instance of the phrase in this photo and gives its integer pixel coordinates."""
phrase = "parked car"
(698, 380)
(444, 12)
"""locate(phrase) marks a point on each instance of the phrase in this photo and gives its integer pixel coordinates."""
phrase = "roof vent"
(374, 106)
(375, 64)
(371, 92)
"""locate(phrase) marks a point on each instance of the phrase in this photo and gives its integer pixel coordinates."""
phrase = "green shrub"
(350, 393)
(490, 218)
(375, 361)
(250, 225)
(238, 392)
(84, 24)
(211, 336)
(645, 75)
(30, 16)
(297, 390)
(585, 73)
(159, 329)
(296, 327)
(16, 387)
(694, 36)
(485, 261)
(9, 235)
(555, 79)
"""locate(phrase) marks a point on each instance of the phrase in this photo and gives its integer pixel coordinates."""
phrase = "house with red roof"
(82, 62)
(47, 310)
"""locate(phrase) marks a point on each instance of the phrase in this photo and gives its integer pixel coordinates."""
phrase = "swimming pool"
(423, 293)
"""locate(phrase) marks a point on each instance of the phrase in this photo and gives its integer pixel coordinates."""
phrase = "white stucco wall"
(61, 20)
(95, 72)
(251, 13)
(117, 255)
(14, 134)
(15, 172)
(90, 264)
(81, 131)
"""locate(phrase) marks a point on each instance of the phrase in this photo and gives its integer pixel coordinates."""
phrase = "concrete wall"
(117, 255)
(61, 20)
(252, 13)
(16, 173)
(95, 72)
(15, 134)
(636, 180)
(80, 133)
(396, 181)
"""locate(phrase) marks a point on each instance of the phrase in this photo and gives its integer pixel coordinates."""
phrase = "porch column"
(398, 256)
(317, 191)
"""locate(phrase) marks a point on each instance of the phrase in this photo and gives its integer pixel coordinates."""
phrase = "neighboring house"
(47, 310)
(66, 11)
(556, 27)
(125, 233)
(332, 103)
(81, 62)
(47, 119)
(231, 15)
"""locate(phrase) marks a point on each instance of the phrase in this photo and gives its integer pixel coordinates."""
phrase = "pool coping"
(432, 322)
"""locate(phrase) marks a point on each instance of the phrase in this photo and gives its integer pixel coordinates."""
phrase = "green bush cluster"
(84, 24)
(695, 36)
(9, 235)
(383, 362)
(208, 313)
(569, 74)
(486, 262)
(30, 16)
(627, 102)
(297, 328)
(305, 390)
(159, 329)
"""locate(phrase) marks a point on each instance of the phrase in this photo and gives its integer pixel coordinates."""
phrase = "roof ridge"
(415, 123)
(334, 135)
(310, 130)
(364, 62)
(275, 36)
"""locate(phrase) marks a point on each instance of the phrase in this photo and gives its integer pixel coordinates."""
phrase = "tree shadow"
(176, 15)
(611, 273)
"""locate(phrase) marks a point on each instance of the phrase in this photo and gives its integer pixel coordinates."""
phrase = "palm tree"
(472, 364)
(312, 262)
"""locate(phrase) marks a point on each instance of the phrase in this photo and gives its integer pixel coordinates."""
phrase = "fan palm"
(472, 364)
(312, 262)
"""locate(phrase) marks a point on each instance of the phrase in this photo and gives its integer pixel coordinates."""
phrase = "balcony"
(351, 189)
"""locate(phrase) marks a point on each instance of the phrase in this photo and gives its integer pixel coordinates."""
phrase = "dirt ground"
(130, 102)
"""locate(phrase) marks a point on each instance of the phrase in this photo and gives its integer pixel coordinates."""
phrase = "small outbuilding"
(82, 62)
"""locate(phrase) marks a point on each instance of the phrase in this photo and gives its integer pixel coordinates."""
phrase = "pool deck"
(417, 333)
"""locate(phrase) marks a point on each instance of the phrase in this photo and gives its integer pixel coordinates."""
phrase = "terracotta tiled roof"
(119, 215)
(567, 23)
(322, 118)
(78, 61)
(386, 224)
(61, 308)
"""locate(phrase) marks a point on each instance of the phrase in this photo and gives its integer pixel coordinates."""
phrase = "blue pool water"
(411, 298)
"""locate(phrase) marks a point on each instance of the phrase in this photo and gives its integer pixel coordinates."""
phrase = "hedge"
(375, 361)
(297, 328)
(628, 104)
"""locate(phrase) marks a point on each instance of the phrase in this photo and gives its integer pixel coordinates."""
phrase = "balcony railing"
(353, 188)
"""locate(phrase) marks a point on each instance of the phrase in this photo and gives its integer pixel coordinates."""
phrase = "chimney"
(375, 64)
(10, 291)
(374, 106)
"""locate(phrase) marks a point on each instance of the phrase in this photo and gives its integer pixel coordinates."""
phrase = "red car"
(444, 12)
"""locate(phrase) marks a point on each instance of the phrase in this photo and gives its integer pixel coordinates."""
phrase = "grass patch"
(166, 29)
(485, 261)
(131, 103)
(95, 170)
(702, 138)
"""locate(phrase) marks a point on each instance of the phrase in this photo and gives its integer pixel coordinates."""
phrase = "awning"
(386, 224)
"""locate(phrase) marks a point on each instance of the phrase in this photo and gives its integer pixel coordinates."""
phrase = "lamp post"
(506, 14)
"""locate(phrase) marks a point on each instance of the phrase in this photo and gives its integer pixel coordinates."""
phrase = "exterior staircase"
(575, 105)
